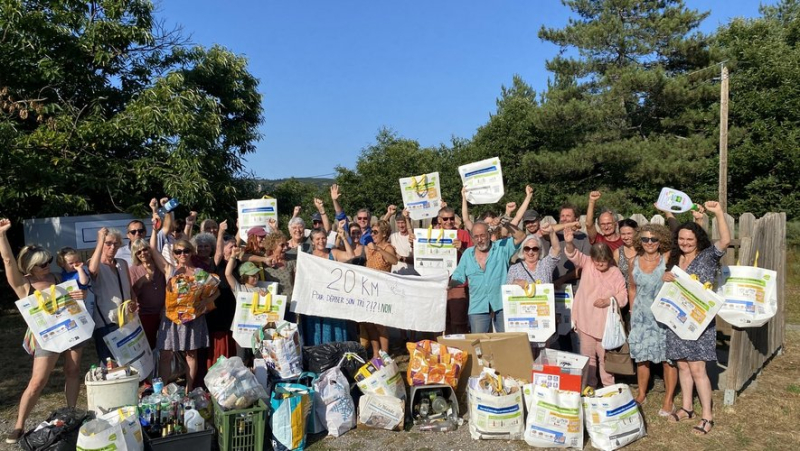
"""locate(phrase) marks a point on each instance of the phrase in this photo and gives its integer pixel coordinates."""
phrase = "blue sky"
(334, 72)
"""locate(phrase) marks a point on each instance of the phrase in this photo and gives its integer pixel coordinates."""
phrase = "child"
(72, 268)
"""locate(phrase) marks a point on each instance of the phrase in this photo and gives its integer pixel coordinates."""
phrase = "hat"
(248, 269)
(257, 231)
(316, 217)
(530, 215)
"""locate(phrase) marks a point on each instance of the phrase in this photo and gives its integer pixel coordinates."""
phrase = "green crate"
(241, 430)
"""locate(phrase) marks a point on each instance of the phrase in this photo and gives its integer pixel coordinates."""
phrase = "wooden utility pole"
(723, 139)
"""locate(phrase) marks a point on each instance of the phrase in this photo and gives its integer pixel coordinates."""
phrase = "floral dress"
(704, 348)
(647, 339)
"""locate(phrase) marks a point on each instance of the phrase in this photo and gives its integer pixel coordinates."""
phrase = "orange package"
(432, 363)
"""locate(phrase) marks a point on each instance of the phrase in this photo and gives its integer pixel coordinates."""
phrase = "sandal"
(700, 429)
(666, 413)
(675, 418)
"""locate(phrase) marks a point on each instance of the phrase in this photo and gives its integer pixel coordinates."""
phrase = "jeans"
(481, 322)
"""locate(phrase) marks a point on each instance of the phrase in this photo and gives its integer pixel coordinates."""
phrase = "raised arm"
(94, 262)
(522, 208)
(347, 253)
(235, 253)
(335, 198)
(517, 234)
(591, 231)
(296, 211)
(326, 223)
(188, 228)
(555, 245)
(669, 218)
(15, 278)
(154, 234)
(722, 225)
(219, 252)
(390, 211)
(465, 209)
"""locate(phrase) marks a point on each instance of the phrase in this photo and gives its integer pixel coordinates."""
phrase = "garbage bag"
(58, 433)
(321, 358)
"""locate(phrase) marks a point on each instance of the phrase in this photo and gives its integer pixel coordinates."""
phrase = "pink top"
(595, 285)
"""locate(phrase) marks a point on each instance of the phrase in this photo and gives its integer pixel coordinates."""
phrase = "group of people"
(617, 260)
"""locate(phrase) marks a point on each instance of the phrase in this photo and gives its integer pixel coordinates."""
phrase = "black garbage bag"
(322, 357)
(60, 435)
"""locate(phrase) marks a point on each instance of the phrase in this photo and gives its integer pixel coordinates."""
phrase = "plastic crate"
(195, 441)
(241, 430)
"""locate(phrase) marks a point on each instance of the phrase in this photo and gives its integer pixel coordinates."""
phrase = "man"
(362, 217)
(457, 321)
(607, 222)
(136, 230)
(531, 222)
(402, 241)
(485, 267)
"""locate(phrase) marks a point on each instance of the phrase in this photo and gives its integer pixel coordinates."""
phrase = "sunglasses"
(449, 218)
(137, 232)
(46, 264)
(111, 243)
(362, 218)
(530, 249)
(316, 222)
(182, 252)
(142, 250)
(651, 239)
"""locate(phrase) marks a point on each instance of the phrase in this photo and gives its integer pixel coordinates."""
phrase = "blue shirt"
(364, 234)
(484, 284)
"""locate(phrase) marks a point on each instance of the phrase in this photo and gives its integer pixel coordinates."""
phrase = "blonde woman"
(149, 285)
(380, 256)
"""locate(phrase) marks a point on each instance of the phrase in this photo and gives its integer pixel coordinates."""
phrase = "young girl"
(72, 268)
(381, 256)
(600, 281)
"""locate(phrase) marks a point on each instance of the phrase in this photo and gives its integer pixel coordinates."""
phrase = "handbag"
(614, 334)
(618, 361)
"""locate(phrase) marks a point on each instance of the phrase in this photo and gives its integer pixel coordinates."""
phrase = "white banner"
(483, 180)
(564, 300)
(422, 195)
(56, 320)
(685, 305)
(750, 295)
(434, 251)
(254, 310)
(531, 310)
(254, 213)
(331, 289)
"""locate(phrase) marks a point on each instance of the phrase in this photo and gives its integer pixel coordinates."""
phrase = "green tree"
(101, 108)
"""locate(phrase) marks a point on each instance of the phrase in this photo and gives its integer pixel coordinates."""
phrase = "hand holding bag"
(614, 335)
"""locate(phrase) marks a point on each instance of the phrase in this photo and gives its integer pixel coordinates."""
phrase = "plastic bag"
(128, 419)
(613, 418)
(432, 363)
(280, 347)
(233, 385)
(101, 435)
(321, 358)
(58, 433)
(496, 408)
(291, 405)
(555, 417)
(333, 405)
(614, 335)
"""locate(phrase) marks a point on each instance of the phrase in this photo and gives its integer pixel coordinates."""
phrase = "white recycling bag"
(613, 418)
(555, 417)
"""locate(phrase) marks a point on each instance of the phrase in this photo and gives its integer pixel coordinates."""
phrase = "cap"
(257, 231)
(316, 217)
(248, 268)
(531, 215)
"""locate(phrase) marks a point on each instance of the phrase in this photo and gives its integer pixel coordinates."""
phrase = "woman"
(31, 272)
(316, 329)
(219, 320)
(531, 268)
(600, 281)
(692, 251)
(648, 338)
(205, 244)
(112, 286)
(254, 251)
(625, 253)
(149, 286)
(381, 255)
(280, 270)
(189, 337)
(355, 233)
(298, 242)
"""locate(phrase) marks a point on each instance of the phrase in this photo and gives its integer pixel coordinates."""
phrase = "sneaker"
(13, 436)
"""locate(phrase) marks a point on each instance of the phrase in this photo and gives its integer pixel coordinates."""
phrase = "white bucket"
(102, 396)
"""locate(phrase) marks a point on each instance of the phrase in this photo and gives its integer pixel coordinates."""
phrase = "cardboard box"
(560, 370)
(509, 353)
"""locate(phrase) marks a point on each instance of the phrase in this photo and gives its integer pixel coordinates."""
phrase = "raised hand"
(101, 234)
(568, 235)
(406, 213)
(545, 228)
(391, 210)
(510, 207)
(296, 211)
(342, 223)
(335, 192)
(154, 204)
(164, 201)
(223, 226)
(463, 191)
(528, 190)
(594, 195)
(320, 206)
(191, 218)
(713, 206)
(5, 224)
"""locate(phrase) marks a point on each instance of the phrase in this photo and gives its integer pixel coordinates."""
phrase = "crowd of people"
(613, 260)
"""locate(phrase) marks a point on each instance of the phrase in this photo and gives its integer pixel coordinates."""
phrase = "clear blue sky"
(334, 72)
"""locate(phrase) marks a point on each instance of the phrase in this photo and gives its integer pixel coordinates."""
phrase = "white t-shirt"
(403, 248)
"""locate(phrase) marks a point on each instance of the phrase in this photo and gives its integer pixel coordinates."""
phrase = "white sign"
(685, 305)
(331, 289)
(564, 300)
(483, 180)
(56, 320)
(422, 195)
(86, 232)
(434, 251)
(750, 295)
(253, 310)
(530, 310)
(255, 213)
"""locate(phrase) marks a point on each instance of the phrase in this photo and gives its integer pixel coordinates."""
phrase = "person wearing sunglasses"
(30, 272)
(457, 318)
(149, 285)
(533, 265)
(112, 287)
(648, 338)
(135, 230)
(362, 218)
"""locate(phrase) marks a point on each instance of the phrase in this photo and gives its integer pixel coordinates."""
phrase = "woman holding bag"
(601, 280)
(648, 339)
(28, 273)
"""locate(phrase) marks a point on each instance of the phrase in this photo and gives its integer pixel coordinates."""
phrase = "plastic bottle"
(109, 363)
(674, 201)
(168, 207)
(192, 421)
(158, 386)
